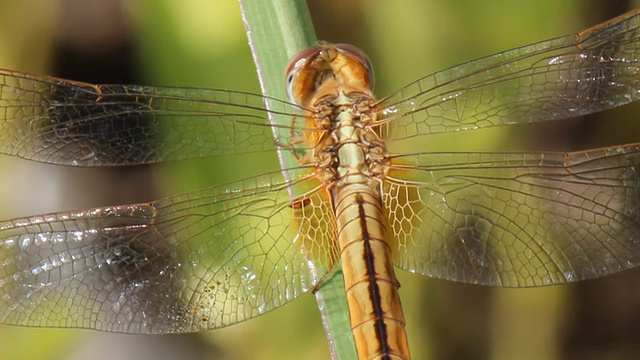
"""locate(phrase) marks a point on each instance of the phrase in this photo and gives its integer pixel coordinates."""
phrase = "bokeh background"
(202, 43)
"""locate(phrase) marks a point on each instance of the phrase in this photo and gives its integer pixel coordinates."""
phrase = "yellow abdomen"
(375, 312)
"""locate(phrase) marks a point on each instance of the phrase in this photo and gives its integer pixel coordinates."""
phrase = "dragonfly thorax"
(348, 150)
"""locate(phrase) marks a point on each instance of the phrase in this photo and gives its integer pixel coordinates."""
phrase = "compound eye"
(313, 65)
(295, 64)
(361, 57)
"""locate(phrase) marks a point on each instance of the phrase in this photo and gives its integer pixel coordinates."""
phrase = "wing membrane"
(516, 219)
(568, 76)
(186, 263)
(65, 122)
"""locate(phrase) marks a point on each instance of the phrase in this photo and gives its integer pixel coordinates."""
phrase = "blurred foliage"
(202, 44)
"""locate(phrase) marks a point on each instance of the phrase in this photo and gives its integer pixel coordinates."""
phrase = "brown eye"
(361, 56)
(295, 63)
(309, 68)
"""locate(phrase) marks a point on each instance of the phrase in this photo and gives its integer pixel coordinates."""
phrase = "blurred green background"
(201, 43)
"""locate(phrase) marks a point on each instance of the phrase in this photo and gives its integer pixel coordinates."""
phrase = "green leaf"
(276, 31)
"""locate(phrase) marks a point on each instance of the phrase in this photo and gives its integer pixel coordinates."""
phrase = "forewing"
(65, 122)
(568, 76)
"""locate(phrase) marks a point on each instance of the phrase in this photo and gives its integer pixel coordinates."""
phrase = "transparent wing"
(516, 219)
(563, 77)
(65, 122)
(185, 263)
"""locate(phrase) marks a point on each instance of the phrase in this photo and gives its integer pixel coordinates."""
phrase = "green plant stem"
(276, 30)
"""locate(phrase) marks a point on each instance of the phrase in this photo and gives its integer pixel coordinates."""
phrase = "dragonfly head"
(316, 70)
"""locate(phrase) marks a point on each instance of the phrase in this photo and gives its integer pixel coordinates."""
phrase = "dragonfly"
(358, 197)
